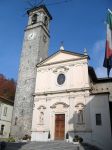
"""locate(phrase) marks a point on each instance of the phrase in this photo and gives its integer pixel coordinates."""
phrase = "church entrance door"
(59, 126)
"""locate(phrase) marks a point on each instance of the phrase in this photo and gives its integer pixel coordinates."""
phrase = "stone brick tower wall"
(35, 49)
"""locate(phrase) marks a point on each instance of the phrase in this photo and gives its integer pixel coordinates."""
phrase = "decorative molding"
(41, 107)
(81, 130)
(58, 103)
(62, 68)
(77, 105)
(62, 91)
(46, 67)
(41, 130)
(81, 94)
(43, 69)
(39, 99)
(70, 95)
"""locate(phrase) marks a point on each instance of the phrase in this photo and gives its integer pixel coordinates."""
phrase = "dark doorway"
(59, 126)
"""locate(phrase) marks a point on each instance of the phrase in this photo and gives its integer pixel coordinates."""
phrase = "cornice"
(81, 130)
(58, 103)
(56, 69)
(39, 24)
(63, 61)
(41, 107)
(61, 91)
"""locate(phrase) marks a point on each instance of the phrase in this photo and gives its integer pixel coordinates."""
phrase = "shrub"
(11, 139)
(49, 136)
(3, 139)
(77, 139)
(67, 135)
(80, 140)
(27, 137)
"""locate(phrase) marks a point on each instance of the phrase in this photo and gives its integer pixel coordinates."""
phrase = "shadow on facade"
(93, 121)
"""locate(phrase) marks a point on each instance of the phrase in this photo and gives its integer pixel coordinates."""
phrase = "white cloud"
(97, 55)
(99, 46)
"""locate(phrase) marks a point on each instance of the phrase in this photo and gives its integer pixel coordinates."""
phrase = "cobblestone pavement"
(56, 145)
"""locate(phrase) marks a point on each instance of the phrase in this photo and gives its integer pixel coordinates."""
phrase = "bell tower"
(35, 49)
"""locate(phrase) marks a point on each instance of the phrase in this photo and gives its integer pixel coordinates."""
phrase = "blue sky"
(78, 23)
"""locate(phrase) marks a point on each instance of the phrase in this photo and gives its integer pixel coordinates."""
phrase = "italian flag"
(108, 47)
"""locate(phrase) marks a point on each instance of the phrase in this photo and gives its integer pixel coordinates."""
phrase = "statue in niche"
(80, 116)
(80, 113)
(41, 118)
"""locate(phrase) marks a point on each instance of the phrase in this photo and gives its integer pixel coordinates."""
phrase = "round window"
(61, 79)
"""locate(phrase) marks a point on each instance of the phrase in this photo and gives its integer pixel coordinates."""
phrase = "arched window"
(2, 129)
(34, 19)
(46, 21)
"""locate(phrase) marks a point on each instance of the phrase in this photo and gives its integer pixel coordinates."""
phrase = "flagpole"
(109, 10)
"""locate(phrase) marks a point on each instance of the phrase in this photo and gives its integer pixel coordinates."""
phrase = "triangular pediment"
(61, 56)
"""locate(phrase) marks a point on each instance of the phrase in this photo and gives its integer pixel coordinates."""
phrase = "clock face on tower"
(31, 36)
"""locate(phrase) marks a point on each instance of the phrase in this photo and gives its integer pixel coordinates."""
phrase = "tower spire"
(85, 51)
(61, 47)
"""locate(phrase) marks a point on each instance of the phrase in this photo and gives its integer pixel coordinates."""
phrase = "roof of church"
(91, 70)
(5, 100)
(38, 7)
(70, 52)
(64, 51)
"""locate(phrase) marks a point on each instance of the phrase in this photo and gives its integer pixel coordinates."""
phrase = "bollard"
(3, 145)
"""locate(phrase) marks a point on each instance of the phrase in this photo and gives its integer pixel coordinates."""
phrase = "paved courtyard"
(55, 145)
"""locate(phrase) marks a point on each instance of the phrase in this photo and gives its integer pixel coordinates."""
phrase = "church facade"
(60, 94)
(65, 102)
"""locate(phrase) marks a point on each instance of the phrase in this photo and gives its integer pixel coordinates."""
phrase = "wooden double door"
(59, 126)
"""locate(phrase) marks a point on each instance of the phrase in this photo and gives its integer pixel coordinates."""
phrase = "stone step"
(55, 145)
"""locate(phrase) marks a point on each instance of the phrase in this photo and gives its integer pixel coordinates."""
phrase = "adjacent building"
(6, 108)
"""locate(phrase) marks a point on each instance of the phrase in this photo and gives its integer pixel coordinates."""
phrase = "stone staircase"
(55, 145)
